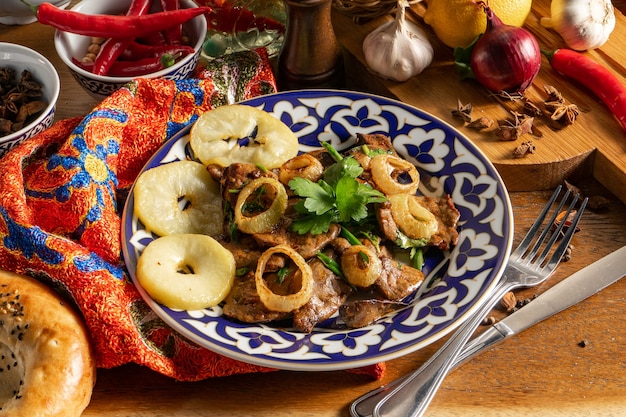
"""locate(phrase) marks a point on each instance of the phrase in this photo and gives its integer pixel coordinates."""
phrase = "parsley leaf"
(319, 196)
(313, 224)
(347, 167)
(350, 202)
(336, 198)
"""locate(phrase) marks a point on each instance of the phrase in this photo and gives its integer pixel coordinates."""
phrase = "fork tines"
(558, 226)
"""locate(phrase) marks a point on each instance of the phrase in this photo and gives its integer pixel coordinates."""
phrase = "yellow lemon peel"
(457, 23)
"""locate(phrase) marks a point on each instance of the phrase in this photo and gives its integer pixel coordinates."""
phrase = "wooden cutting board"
(594, 145)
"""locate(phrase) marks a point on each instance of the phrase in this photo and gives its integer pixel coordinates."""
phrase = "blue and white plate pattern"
(448, 163)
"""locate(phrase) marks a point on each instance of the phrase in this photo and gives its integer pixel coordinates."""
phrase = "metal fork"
(527, 267)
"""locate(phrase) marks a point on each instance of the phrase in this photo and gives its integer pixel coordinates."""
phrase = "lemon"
(458, 22)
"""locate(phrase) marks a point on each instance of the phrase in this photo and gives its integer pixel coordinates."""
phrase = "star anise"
(463, 111)
(513, 129)
(524, 149)
(596, 202)
(481, 123)
(532, 109)
(565, 114)
(554, 95)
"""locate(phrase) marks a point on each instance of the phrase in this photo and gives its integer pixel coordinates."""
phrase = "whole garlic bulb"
(583, 24)
(399, 49)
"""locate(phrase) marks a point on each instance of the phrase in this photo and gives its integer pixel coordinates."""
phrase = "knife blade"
(579, 286)
(572, 290)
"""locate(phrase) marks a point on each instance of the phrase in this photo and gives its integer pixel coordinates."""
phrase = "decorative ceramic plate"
(455, 281)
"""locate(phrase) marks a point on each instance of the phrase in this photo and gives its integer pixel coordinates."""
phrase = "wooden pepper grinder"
(311, 56)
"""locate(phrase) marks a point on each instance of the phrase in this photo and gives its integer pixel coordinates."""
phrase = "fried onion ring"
(303, 166)
(413, 219)
(265, 221)
(360, 265)
(387, 171)
(290, 302)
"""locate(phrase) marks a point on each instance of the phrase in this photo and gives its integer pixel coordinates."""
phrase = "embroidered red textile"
(61, 197)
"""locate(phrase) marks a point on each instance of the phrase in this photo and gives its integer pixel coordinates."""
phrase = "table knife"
(579, 286)
(572, 290)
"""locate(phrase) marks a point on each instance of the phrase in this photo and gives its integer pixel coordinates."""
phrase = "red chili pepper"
(139, 7)
(155, 38)
(135, 68)
(173, 35)
(110, 26)
(112, 48)
(136, 50)
(593, 76)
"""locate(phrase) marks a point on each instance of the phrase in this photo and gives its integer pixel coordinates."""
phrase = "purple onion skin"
(506, 58)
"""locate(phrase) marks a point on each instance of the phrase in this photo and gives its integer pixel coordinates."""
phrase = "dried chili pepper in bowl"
(112, 48)
(111, 25)
(136, 51)
(136, 68)
(72, 47)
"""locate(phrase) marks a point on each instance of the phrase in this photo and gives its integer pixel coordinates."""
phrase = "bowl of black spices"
(29, 89)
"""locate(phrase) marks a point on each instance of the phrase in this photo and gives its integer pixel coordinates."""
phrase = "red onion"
(505, 58)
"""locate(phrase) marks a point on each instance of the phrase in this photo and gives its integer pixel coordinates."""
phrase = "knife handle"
(494, 335)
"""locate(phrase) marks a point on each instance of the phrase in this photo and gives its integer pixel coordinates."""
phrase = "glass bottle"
(246, 25)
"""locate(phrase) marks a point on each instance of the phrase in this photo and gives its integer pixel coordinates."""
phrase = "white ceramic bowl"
(21, 58)
(14, 12)
(70, 45)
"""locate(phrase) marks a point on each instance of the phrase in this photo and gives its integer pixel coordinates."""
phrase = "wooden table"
(544, 371)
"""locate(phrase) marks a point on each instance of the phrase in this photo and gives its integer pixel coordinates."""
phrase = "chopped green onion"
(330, 263)
(417, 256)
(332, 151)
(239, 272)
(350, 237)
(282, 274)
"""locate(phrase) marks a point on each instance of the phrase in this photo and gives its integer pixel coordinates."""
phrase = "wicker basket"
(364, 10)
